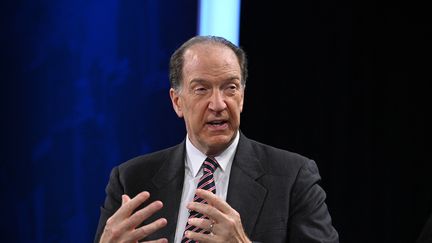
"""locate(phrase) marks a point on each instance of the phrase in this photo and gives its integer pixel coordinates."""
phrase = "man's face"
(211, 96)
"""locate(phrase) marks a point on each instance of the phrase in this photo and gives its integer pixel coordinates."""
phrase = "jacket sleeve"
(114, 191)
(310, 221)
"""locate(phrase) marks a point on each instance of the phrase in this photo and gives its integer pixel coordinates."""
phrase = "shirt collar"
(195, 158)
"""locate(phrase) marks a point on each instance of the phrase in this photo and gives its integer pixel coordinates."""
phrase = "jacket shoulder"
(148, 164)
(279, 161)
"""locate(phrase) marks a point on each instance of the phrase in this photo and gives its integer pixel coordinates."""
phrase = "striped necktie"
(206, 182)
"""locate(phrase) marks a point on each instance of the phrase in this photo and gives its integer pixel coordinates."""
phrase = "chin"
(220, 141)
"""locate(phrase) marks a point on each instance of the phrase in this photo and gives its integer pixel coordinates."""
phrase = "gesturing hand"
(224, 222)
(121, 226)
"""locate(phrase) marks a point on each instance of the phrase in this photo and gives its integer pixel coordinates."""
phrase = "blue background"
(84, 87)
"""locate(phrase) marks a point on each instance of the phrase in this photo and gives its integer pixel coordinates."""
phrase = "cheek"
(235, 110)
(196, 112)
(239, 103)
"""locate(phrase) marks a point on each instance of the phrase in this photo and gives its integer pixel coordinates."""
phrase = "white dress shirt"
(193, 172)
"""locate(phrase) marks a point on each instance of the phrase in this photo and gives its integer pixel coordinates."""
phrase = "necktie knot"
(210, 165)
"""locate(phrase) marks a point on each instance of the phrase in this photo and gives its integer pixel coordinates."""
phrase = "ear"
(176, 102)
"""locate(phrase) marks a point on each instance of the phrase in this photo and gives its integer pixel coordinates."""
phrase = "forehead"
(210, 59)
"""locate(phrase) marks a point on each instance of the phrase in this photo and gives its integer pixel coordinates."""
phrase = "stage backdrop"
(346, 83)
(85, 87)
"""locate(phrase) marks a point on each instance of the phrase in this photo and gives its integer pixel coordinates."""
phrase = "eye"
(231, 89)
(200, 90)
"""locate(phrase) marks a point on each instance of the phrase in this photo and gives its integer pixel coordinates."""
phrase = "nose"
(217, 101)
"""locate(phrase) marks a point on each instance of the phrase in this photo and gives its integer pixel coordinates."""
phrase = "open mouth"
(217, 123)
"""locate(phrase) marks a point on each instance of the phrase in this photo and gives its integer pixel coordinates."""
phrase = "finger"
(163, 240)
(125, 199)
(143, 214)
(199, 237)
(201, 223)
(207, 210)
(214, 200)
(158, 241)
(148, 229)
(129, 206)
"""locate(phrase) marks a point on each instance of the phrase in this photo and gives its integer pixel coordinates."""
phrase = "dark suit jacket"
(426, 234)
(275, 192)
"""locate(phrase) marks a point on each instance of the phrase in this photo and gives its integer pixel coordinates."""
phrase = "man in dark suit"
(249, 192)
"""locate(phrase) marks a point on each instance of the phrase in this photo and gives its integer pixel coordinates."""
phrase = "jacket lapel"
(245, 194)
(168, 184)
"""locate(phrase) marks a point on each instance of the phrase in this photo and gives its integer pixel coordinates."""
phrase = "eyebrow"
(201, 81)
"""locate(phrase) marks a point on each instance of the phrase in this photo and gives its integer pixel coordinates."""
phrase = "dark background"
(346, 83)
(85, 87)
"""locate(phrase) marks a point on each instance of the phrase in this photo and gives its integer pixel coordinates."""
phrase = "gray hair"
(177, 58)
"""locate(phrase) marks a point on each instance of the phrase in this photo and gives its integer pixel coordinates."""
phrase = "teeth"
(216, 122)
